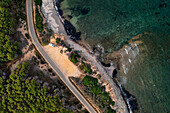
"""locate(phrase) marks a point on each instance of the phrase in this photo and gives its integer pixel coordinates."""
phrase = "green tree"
(7, 47)
(23, 95)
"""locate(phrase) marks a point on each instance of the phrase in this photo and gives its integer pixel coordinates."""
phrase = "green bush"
(58, 40)
(87, 69)
(99, 76)
(74, 57)
(95, 89)
(38, 2)
(69, 49)
(88, 80)
(109, 110)
(113, 103)
(39, 21)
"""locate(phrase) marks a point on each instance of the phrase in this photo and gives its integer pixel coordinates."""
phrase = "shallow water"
(111, 23)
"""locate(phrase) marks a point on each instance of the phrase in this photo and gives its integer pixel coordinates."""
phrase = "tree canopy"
(22, 95)
(7, 47)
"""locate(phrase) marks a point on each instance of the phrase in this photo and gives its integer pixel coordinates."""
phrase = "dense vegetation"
(39, 21)
(74, 57)
(92, 82)
(86, 67)
(5, 3)
(18, 94)
(38, 2)
(7, 47)
(104, 99)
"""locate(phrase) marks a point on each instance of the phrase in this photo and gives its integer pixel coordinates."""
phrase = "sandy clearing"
(62, 61)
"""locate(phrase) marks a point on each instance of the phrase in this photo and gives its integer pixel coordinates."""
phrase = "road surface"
(49, 61)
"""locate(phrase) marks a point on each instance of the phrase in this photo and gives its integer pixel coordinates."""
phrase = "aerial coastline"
(89, 55)
(135, 41)
(80, 56)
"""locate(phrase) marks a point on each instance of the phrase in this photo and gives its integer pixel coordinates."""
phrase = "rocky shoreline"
(98, 52)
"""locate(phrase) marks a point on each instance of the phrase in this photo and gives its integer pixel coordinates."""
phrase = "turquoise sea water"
(111, 23)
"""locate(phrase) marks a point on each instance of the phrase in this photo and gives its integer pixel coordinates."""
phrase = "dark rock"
(132, 100)
(53, 74)
(106, 65)
(114, 74)
(61, 51)
(70, 29)
(50, 70)
(60, 12)
(42, 62)
(76, 36)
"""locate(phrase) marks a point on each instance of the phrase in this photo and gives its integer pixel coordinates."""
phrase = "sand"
(62, 61)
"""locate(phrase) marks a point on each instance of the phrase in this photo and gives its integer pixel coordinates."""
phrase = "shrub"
(95, 89)
(38, 20)
(87, 69)
(99, 76)
(38, 2)
(74, 57)
(19, 52)
(88, 80)
(27, 35)
(45, 41)
(69, 49)
(58, 40)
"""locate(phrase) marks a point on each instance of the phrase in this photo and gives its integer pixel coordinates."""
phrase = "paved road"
(49, 61)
